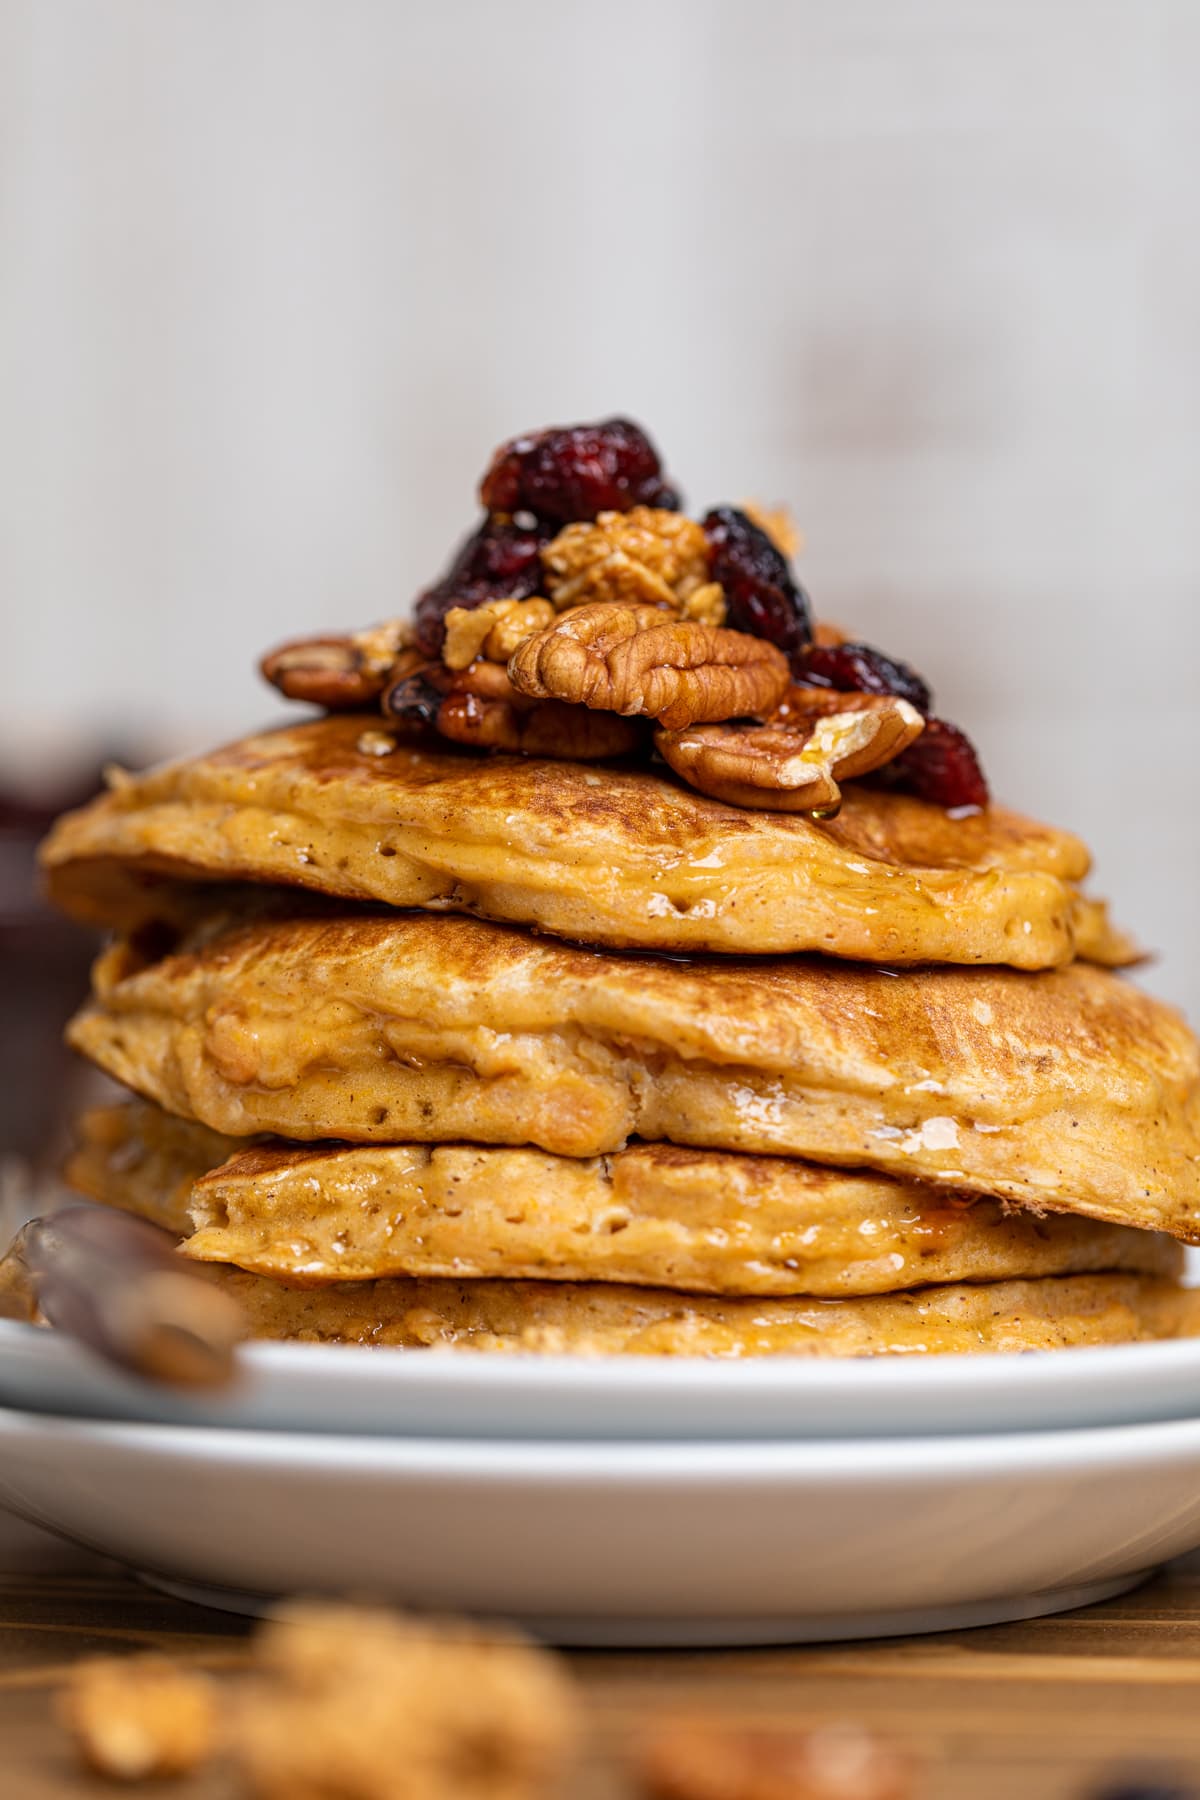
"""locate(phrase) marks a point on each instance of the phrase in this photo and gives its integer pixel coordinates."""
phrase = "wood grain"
(1045, 1710)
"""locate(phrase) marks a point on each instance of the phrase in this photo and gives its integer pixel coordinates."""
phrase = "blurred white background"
(275, 275)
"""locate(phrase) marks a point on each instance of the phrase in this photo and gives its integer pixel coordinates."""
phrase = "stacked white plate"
(624, 1502)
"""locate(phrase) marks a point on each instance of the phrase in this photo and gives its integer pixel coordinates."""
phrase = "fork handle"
(114, 1284)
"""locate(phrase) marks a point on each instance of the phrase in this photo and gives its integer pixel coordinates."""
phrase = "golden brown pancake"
(146, 1161)
(616, 856)
(1068, 1091)
(594, 1319)
(654, 1215)
(598, 1319)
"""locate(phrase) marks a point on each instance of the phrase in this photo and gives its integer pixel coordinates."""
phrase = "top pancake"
(612, 856)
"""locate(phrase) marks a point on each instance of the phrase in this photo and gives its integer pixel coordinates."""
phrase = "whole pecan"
(342, 672)
(415, 697)
(486, 680)
(479, 706)
(795, 760)
(642, 660)
(537, 728)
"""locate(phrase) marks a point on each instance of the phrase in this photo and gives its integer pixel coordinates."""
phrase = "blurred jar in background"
(44, 963)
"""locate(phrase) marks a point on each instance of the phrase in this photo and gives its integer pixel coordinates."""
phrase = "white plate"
(309, 1387)
(626, 1543)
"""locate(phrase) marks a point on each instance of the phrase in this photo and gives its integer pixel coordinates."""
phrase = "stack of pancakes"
(515, 1053)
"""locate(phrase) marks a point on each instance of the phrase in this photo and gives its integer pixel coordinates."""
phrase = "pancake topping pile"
(586, 587)
(622, 960)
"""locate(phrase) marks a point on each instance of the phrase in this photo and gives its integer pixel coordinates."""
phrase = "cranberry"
(860, 669)
(941, 766)
(499, 561)
(573, 472)
(761, 594)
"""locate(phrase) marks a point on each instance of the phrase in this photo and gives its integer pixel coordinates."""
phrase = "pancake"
(595, 1319)
(145, 1161)
(592, 1319)
(654, 1215)
(1069, 1091)
(614, 856)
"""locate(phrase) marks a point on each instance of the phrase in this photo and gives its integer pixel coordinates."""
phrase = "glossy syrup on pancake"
(847, 1079)
(699, 1221)
(1070, 1091)
(605, 1319)
(619, 856)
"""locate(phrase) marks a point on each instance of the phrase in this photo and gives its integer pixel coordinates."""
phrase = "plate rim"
(911, 1461)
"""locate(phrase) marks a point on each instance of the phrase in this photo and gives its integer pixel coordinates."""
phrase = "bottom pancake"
(701, 1221)
(599, 1319)
(595, 1319)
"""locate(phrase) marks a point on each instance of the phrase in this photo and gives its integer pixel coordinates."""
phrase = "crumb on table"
(138, 1717)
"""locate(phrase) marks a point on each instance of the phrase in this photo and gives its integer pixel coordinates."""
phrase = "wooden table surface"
(1043, 1711)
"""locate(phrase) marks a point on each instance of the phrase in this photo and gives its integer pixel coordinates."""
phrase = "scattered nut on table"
(702, 1759)
(355, 1703)
(137, 1718)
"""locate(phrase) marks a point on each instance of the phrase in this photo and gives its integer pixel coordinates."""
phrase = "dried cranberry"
(860, 669)
(414, 701)
(761, 593)
(941, 766)
(573, 472)
(499, 561)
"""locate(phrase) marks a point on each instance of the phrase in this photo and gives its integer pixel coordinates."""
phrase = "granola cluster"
(643, 557)
(589, 618)
(349, 1701)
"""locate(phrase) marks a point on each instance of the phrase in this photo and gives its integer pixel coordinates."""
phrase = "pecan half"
(342, 673)
(642, 660)
(709, 1759)
(795, 761)
(480, 707)
(417, 693)
(537, 728)
(488, 680)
